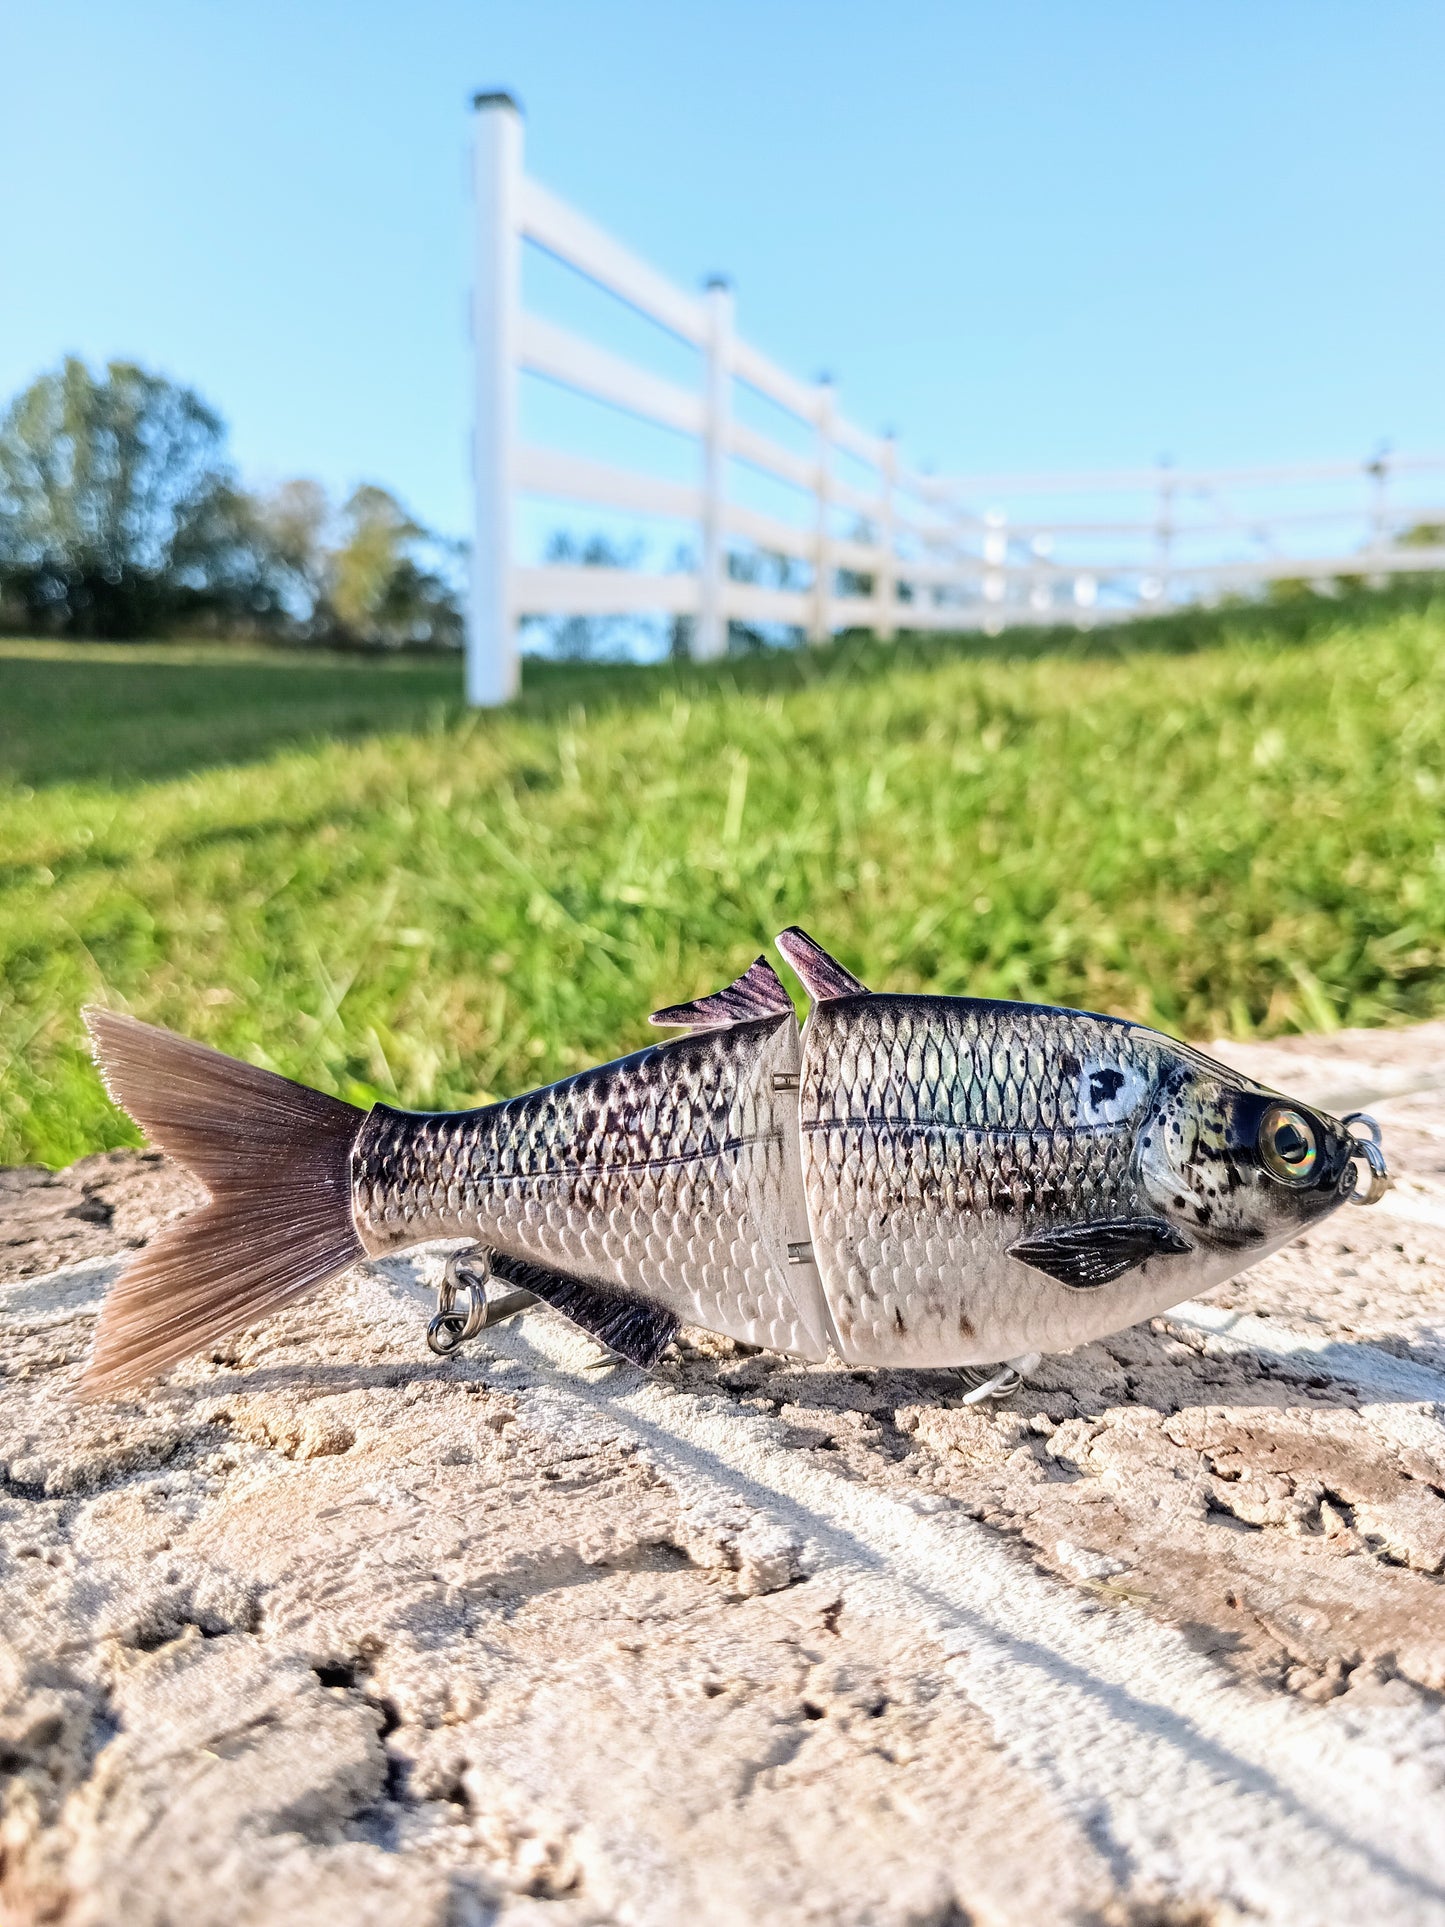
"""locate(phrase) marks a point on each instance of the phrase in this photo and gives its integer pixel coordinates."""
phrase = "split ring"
(1367, 1149)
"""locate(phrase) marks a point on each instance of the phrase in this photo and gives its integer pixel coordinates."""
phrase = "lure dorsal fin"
(822, 975)
(1085, 1256)
(759, 992)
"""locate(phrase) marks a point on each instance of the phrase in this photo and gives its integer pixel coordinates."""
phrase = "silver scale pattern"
(925, 1137)
(673, 1174)
(937, 1132)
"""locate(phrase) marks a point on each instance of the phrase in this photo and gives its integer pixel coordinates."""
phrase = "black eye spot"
(1104, 1085)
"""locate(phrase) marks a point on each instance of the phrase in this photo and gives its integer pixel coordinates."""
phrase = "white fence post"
(995, 555)
(1379, 472)
(711, 640)
(1163, 534)
(492, 667)
(821, 625)
(885, 582)
(1041, 582)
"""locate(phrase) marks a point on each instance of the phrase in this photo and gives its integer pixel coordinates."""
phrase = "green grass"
(1216, 823)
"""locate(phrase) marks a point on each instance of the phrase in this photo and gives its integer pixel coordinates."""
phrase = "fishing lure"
(908, 1181)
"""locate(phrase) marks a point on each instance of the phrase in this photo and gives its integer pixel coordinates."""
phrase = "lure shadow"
(1345, 1373)
(329, 1380)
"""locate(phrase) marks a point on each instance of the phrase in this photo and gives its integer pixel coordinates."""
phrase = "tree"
(117, 505)
(293, 522)
(384, 585)
(120, 516)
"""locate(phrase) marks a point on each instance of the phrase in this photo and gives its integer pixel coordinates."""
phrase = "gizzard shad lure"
(908, 1181)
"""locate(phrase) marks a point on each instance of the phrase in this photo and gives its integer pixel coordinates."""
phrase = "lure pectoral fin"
(1088, 1255)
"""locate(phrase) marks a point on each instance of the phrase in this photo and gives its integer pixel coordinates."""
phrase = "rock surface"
(327, 1629)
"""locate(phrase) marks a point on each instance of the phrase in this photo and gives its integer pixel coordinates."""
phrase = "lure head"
(1236, 1167)
(1219, 1172)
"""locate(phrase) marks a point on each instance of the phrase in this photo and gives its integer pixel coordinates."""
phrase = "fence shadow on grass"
(118, 717)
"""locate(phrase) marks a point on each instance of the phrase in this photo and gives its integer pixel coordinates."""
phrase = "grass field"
(1223, 823)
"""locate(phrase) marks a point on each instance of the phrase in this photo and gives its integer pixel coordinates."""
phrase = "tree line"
(122, 515)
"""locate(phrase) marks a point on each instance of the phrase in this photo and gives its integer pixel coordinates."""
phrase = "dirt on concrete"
(328, 1629)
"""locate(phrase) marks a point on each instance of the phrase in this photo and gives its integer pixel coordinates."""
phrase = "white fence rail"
(875, 544)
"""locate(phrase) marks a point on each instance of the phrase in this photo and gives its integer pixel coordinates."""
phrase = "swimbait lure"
(909, 1181)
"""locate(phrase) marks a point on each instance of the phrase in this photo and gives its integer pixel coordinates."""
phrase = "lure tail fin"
(276, 1160)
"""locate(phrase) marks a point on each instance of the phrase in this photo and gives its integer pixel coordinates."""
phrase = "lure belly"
(908, 1181)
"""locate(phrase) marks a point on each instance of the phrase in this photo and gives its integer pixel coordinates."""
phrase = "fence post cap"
(496, 97)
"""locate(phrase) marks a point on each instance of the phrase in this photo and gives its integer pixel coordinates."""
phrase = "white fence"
(874, 544)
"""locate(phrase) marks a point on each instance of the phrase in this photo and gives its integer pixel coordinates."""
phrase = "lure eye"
(1288, 1145)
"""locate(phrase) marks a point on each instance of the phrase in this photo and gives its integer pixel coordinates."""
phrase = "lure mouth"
(1366, 1177)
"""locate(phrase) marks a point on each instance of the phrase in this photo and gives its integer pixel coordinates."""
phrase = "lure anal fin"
(1085, 1256)
(636, 1329)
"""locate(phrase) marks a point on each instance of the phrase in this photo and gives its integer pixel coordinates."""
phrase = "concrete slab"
(327, 1628)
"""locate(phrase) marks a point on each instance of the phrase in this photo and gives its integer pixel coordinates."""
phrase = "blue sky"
(1037, 235)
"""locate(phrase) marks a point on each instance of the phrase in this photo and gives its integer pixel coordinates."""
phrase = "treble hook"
(996, 1381)
(1370, 1151)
